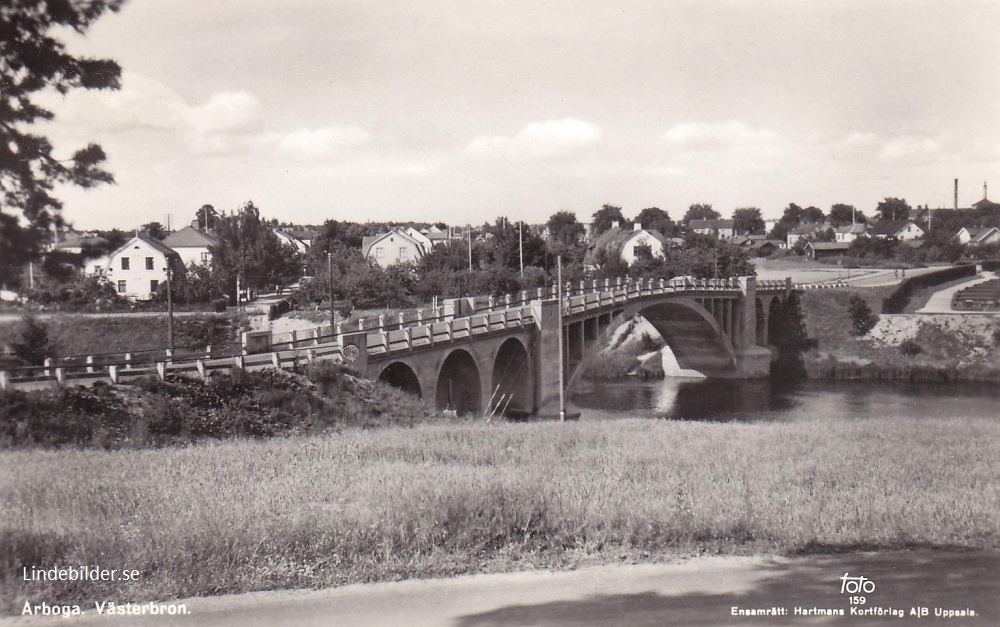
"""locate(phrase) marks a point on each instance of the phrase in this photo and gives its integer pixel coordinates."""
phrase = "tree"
(748, 220)
(861, 314)
(811, 215)
(207, 217)
(33, 343)
(700, 212)
(155, 230)
(656, 219)
(841, 215)
(605, 216)
(32, 61)
(893, 209)
(564, 227)
(250, 250)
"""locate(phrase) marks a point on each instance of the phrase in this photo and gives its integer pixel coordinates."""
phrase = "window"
(124, 263)
(204, 257)
(153, 285)
(121, 287)
(149, 263)
(379, 253)
(402, 252)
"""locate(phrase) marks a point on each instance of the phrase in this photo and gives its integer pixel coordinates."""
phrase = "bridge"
(495, 355)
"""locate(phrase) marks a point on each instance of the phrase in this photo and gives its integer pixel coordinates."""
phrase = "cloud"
(224, 112)
(320, 143)
(909, 149)
(540, 140)
(719, 136)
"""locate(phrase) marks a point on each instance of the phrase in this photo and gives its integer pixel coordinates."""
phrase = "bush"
(33, 344)
(911, 348)
(861, 314)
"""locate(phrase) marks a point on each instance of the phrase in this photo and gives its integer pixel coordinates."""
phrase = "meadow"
(431, 500)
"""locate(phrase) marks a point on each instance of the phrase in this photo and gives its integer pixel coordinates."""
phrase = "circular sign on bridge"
(351, 352)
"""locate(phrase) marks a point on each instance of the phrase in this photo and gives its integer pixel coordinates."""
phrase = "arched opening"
(458, 384)
(761, 318)
(401, 376)
(696, 343)
(773, 320)
(510, 389)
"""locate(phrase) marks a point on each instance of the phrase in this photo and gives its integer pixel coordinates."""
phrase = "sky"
(462, 111)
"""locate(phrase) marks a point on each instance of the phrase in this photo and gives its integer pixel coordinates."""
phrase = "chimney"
(195, 223)
(614, 224)
(956, 193)
(984, 190)
(637, 227)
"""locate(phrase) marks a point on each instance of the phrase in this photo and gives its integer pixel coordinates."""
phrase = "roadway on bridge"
(699, 591)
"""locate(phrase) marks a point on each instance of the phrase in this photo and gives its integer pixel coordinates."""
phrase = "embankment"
(901, 347)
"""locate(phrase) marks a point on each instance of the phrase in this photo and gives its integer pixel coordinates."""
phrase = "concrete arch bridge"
(505, 359)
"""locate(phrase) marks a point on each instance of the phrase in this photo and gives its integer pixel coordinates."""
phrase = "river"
(722, 400)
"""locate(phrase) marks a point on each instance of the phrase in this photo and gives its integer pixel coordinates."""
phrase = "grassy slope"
(828, 322)
(86, 335)
(435, 500)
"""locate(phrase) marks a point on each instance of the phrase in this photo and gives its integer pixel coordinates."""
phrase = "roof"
(760, 243)
(76, 240)
(985, 203)
(858, 228)
(710, 224)
(189, 237)
(828, 245)
(370, 240)
(615, 238)
(808, 227)
(890, 227)
(152, 243)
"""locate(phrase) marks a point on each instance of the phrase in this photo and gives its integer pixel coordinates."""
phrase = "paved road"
(940, 302)
(698, 592)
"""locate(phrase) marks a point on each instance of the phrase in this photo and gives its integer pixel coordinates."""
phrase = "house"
(760, 245)
(396, 246)
(88, 248)
(137, 269)
(290, 240)
(977, 236)
(806, 232)
(819, 250)
(424, 241)
(850, 232)
(720, 229)
(631, 245)
(897, 229)
(193, 245)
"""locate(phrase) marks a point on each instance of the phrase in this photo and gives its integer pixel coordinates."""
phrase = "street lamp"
(170, 311)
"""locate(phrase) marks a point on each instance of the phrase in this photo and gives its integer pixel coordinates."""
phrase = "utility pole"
(562, 367)
(170, 311)
(520, 244)
(469, 229)
(329, 279)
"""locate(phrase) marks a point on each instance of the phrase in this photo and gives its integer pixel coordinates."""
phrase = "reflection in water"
(725, 400)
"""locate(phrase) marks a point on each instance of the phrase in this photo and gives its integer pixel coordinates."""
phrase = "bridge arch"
(510, 389)
(694, 335)
(760, 336)
(458, 387)
(773, 319)
(400, 375)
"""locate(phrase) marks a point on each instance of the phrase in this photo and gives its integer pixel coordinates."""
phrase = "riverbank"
(394, 503)
(901, 347)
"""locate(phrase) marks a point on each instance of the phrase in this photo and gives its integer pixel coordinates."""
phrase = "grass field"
(363, 505)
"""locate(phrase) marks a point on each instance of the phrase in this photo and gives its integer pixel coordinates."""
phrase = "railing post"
(48, 366)
(90, 364)
(381, 322)
(4, 380)
(276, 360)
(451, 330)
(128, 361)
(361, 324)
(420, 316)
(402, 319)
(311, 356)
(506, 300)
(113, 373)
(238, 362)
(61, 376)
(170, 354)
(200, 365)
(161, 370)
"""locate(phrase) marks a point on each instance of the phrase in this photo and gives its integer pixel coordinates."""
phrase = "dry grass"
(375, 505)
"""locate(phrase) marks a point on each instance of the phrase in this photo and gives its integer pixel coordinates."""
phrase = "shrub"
(911, 348)
(861, 315)
(33, 344)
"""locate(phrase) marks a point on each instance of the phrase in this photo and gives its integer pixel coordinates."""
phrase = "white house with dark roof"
(137, 269)
(632, 244)
(850, 232)
(289, 239)
(901, 229)
(192, 245)
(391, 248)
(977, 236)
